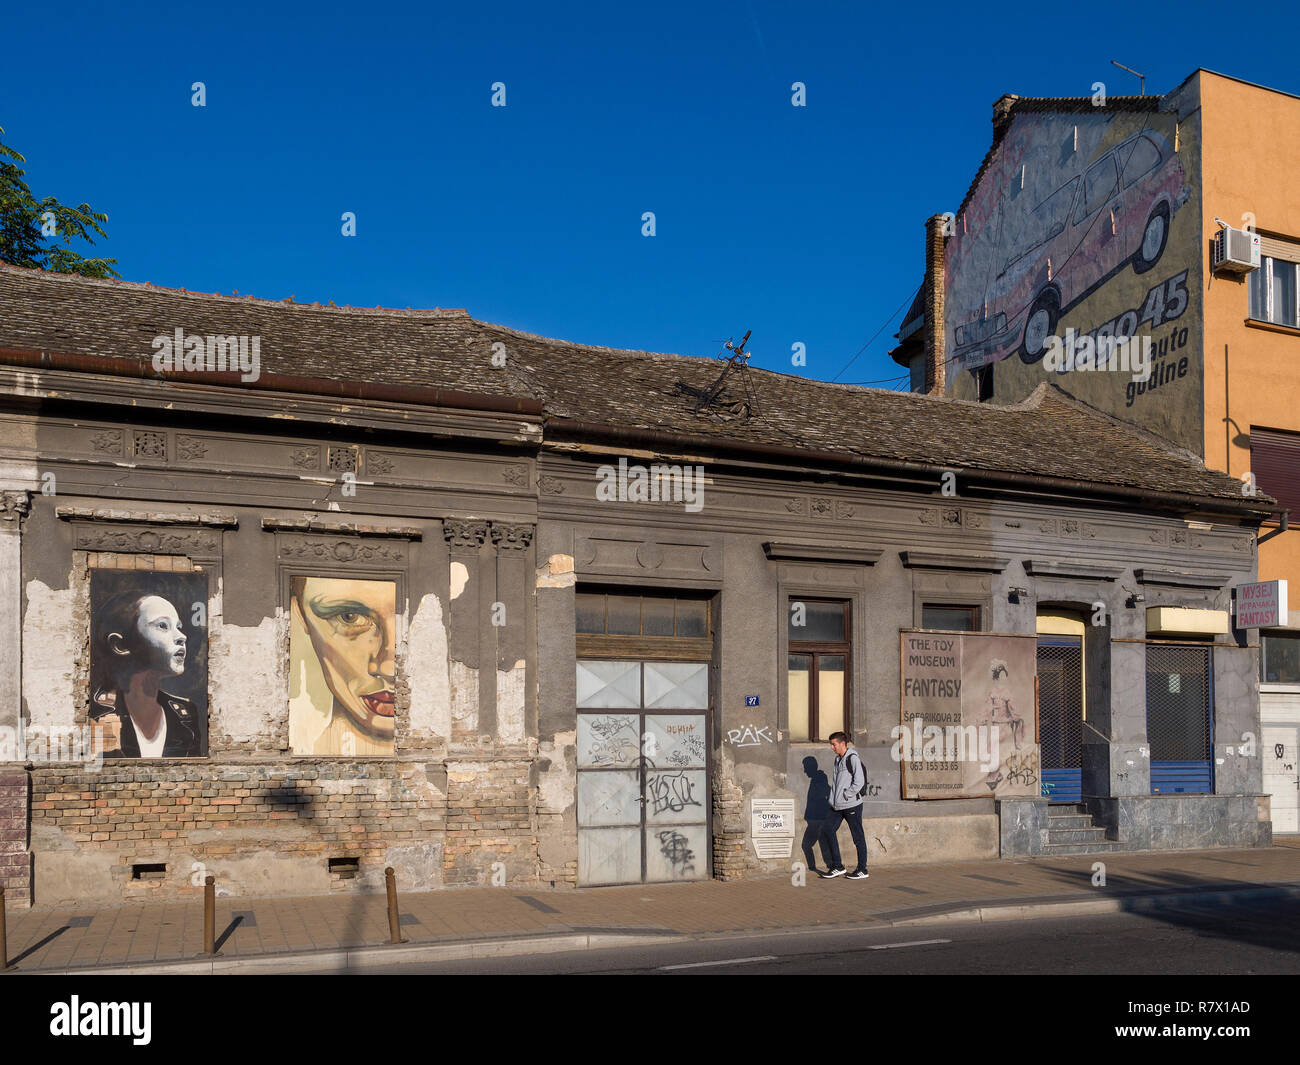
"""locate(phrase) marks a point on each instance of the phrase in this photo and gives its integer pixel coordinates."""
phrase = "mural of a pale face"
(158, 642)
(352, 626)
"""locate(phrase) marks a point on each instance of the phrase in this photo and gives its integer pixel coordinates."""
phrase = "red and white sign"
(1261, 605)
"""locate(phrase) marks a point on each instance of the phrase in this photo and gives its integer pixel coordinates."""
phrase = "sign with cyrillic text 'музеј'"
(1261, 605)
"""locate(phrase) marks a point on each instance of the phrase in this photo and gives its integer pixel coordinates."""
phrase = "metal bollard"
(4, 943)
(209, 914)
(394, 926)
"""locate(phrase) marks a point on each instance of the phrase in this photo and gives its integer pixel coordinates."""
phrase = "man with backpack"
(848, 783)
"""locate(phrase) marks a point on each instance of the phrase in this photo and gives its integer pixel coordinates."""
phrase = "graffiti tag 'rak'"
(750, 736)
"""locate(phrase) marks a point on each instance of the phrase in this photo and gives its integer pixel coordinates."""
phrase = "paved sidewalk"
(265, 933)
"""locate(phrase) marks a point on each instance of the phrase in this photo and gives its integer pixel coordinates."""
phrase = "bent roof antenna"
(1143, 77)
(712, 400)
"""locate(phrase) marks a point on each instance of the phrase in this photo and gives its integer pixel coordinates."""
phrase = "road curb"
(1089, 907)
(354, 959)
(365, 957)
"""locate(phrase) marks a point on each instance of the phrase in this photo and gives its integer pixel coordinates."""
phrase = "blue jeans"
(831, 826)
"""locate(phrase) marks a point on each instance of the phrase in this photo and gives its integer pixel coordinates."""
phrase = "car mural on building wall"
(1112, 214)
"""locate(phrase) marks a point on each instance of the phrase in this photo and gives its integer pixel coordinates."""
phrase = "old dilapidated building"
(293, 593)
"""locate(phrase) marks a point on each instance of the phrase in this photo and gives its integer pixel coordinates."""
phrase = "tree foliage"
(39, 233)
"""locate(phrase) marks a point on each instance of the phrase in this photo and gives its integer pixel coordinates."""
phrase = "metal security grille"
(1060, 716)
(1179, 718)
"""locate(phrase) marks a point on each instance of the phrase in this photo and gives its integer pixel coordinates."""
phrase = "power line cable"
(877, 333)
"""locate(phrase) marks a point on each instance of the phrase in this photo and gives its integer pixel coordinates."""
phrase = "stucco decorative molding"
(305, 458)
(843, 511)
(14, 505)
(515, 475)
(216, 519)
(190, 447)
(150, 444)
(552, 486)
(511, 537)
(350, 549)
(147, 541)
(1180, 578)
(108, 440)
(794, 506)
(464, 535)
(952, 560)
(1072, 570)
(822, 507)
(378, 463)
(929, 516)
(314, 524)
(803, 551)
(951, 515)
(650, 555)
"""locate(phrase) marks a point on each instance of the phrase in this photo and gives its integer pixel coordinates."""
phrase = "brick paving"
(64, 937)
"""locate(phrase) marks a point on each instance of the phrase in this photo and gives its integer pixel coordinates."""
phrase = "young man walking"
(847, 781)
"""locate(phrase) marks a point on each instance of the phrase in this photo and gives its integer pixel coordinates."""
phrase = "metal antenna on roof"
(1143, 77)
(713, 400)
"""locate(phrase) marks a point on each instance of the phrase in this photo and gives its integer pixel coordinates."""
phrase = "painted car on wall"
(1113, 214)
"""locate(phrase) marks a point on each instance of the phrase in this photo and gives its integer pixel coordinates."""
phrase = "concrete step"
(1076, 835)
(1056, 821)
(1100, 847)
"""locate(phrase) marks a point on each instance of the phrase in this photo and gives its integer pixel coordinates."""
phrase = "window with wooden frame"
(820, 656)
(950, 617)
(643, 624)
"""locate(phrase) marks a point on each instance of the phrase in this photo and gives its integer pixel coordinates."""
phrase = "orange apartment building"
(1095, 221)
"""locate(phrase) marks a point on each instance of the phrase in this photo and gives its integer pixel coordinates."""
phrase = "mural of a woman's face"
(353, 631)
(157, 645)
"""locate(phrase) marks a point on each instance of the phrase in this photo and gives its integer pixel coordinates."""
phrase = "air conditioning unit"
(1236, 251)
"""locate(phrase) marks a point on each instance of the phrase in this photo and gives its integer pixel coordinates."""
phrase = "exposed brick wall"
(310, 811)
(730, 849)
(559, 832)
(491, 817)
(15, 865)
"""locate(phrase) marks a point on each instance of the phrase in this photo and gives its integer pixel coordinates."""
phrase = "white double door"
(1281, 757)
(643, 793)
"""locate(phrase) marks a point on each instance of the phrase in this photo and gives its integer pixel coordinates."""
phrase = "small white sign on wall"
(771, 825)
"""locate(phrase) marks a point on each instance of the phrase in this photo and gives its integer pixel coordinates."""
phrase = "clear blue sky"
(802, 224)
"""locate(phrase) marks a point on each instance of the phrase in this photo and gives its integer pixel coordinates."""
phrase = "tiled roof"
(1048, 435)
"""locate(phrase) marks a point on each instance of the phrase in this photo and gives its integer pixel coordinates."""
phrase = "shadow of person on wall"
(816, 809)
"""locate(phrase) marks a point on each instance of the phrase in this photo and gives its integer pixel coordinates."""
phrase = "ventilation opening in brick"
(345, 868)
(149, 872)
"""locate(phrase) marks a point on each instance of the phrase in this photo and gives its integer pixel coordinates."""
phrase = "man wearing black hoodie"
(847, 782)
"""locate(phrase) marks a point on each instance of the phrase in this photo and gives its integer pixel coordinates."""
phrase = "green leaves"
(39, 234)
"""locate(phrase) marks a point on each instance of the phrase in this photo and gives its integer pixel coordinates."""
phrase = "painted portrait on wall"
(342, 670)
(148, 663)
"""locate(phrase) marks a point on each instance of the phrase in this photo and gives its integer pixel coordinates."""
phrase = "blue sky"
(804, 224)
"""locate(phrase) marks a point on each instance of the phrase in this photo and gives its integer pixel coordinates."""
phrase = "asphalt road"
(1257, 938)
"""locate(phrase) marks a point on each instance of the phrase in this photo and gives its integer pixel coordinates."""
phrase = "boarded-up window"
(1275, 462)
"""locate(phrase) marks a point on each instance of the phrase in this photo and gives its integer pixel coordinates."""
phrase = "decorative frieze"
(326, 549)
(192, 542)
